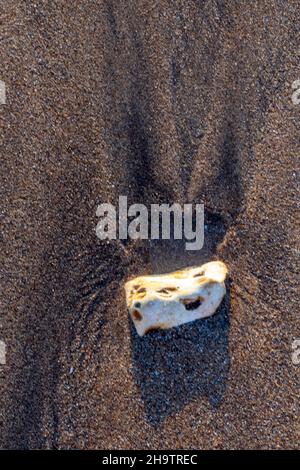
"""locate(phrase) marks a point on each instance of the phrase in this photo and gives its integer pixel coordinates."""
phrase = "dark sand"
(161, 101)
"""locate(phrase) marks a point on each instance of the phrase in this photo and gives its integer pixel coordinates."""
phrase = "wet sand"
(163, 102)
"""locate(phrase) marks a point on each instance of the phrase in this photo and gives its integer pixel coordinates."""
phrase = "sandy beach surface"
(169, 101)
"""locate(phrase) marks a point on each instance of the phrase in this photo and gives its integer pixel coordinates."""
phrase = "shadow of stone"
(170, 255)
(172, 367)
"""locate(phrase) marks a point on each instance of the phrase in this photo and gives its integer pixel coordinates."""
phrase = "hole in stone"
(167, 290)
(192, 304)
(141, 290)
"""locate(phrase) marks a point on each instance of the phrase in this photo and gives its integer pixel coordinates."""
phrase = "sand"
(163, 102)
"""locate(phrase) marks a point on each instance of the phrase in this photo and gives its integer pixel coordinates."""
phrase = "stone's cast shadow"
(171, 255)
(172, 367)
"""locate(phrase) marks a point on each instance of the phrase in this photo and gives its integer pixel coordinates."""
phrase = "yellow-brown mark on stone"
(179, 274)
(137, 315)
(211, 282)
(153, 329)
(140, 293)
(203, 280)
